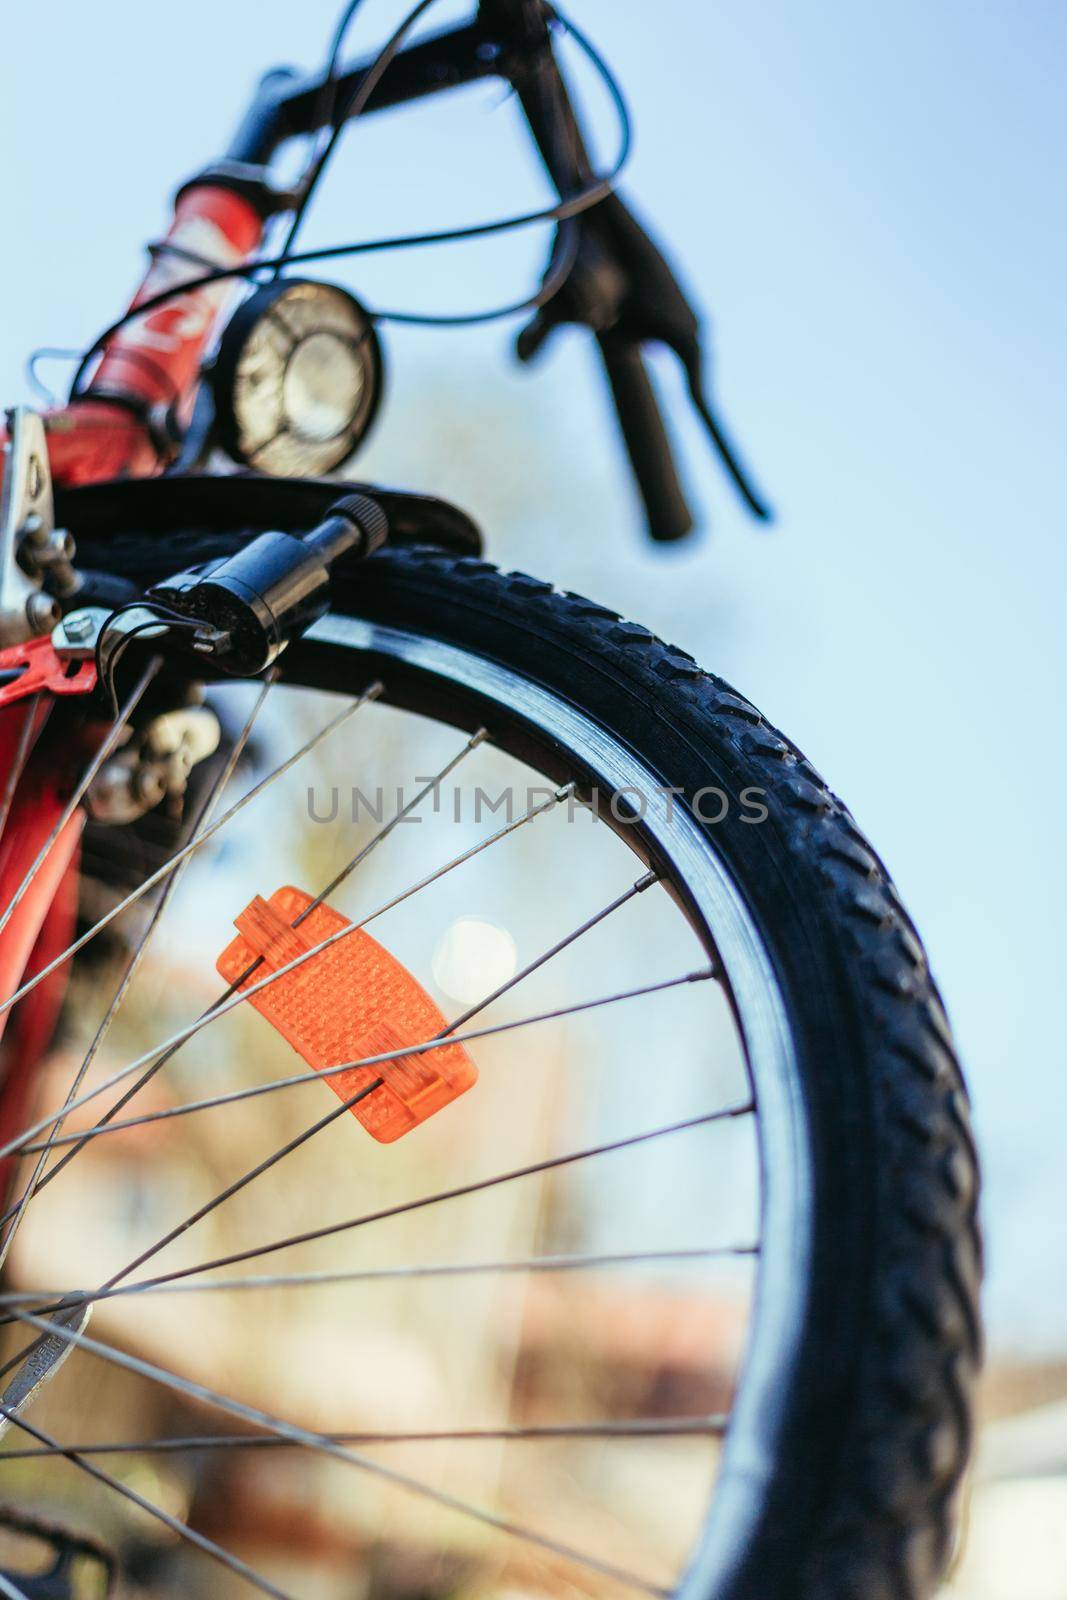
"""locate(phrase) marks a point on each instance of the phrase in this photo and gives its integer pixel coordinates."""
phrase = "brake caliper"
(350, 1001)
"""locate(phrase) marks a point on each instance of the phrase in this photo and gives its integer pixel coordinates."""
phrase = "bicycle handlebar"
(620, 286)
(289, 105)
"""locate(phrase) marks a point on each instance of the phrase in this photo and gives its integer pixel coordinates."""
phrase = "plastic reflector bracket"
(349, 1001)
(34, 665)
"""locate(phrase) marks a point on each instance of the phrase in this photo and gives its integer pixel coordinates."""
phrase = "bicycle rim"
(462, 688)
(452, 686)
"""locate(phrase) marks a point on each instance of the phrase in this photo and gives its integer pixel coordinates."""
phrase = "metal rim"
(722, 919)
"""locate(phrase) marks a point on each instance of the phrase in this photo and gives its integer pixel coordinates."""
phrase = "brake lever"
(622, 283)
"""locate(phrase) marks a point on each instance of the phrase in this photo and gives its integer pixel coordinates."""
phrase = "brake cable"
(561, 212)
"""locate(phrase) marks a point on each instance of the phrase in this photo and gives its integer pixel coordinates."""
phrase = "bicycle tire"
(865, 1439)
(877, 1428)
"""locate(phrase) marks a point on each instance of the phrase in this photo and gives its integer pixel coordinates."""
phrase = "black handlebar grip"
(645, 436)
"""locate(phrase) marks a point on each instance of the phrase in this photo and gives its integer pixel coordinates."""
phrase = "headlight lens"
(297, 378)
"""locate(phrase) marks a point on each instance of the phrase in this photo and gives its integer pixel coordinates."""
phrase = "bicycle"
(188, 519)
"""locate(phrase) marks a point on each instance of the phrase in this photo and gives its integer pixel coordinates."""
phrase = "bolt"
(78, 626)
(42, 612)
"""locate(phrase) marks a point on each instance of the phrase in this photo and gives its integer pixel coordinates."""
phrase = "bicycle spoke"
(103, 751)
(568, 939)
(18, 761)
(19, 1143)
(13, 1361)
(349, 1101)
(240, 1183)
(257, 789)
(107, 1122)
(448, 1269)
(267, 1429)
(405, 1207)
(175, 1524)
(478, 737)
(712, 1426)
(18, 1210)
(322, 1444)
(331, 1117)
(439, 1042)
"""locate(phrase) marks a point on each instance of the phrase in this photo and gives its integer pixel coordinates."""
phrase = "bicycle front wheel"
(790, 1106)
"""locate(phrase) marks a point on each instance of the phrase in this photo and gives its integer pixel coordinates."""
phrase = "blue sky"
(868, 201)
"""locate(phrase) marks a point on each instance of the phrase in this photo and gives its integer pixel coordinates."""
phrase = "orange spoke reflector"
(349, 1001)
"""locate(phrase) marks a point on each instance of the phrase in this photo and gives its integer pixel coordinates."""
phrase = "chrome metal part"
(75, 638)
(29, 544)
(154, 765)
(41, 1362)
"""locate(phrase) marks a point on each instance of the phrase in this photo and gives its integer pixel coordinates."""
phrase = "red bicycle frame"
(151, 364)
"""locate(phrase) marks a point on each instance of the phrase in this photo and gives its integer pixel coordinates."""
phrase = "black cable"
(326, 109)
(591, 195)
(98, 652)
(551, 284)
(325, 119)
(161, 615)
(107, 681)
(332, 118)
(167, 247)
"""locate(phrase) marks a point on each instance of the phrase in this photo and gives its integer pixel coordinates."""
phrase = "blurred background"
(867, 203)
